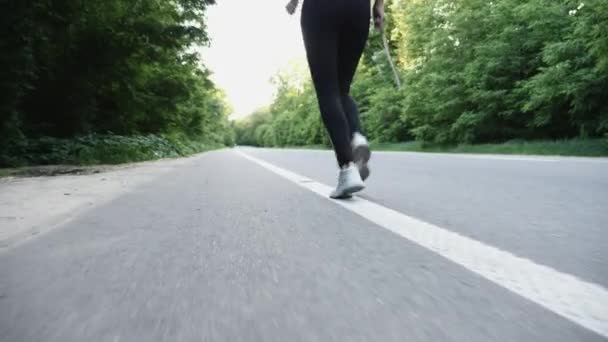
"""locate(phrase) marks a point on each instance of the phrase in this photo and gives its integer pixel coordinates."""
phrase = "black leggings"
(335, 33)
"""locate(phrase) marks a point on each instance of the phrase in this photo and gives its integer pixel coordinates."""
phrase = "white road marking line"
(577, 300)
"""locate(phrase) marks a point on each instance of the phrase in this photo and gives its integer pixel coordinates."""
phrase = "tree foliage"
(71, 68)
(474, 71)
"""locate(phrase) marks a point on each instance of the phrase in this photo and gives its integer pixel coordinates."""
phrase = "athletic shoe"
(349, 182)
(361, 154)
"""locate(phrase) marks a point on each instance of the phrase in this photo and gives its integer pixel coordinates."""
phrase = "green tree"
(72, 68)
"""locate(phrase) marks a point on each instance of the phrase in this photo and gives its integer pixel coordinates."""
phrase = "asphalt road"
(224, 249)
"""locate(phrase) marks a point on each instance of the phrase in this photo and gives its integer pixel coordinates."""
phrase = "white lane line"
(577, 300)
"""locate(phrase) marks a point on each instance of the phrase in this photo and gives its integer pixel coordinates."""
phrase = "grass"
(574, 147)
(6, 172)
(100, 149)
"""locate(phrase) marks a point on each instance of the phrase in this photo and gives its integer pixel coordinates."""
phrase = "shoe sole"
(348, 193)
(361, 155)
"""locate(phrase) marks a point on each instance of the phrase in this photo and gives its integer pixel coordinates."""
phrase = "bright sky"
(251, 41)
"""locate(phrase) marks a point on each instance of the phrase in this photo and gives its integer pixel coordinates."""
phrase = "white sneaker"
(349, 182)
(361, 154)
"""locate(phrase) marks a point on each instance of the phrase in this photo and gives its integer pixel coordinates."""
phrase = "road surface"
(243, 245)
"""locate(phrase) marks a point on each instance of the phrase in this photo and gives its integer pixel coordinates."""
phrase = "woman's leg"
(321, 39)
(353, 37)
(352, 114)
